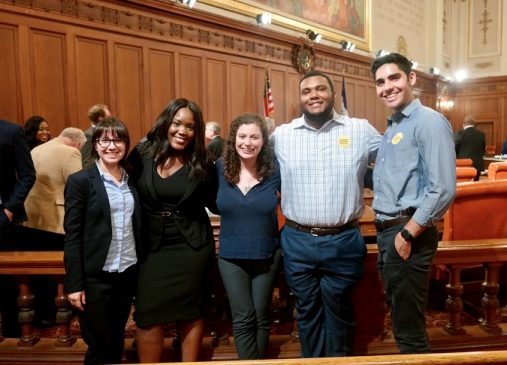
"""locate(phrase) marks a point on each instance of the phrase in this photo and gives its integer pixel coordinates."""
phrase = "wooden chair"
(465, 174)
(497, 170)
(464, 162)
(490, 150)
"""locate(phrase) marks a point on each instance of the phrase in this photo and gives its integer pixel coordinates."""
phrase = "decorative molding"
(303, 58)
(483, 65)
(175, 24)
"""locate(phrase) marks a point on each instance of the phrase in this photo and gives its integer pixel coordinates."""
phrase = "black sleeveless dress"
(172, 282)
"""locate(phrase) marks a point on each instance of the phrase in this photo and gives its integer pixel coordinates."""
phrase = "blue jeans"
(249, 286)
(321, 273)
(406, 285)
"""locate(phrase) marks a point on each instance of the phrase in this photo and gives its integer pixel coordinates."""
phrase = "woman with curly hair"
(36, 131)
(249, 253)
(176, 181)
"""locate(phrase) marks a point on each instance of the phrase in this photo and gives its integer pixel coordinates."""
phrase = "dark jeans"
(249, 286)
(406, 285)
(321, 272)
(108, 302)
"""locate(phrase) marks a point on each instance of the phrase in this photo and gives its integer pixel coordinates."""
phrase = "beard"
(319, 118)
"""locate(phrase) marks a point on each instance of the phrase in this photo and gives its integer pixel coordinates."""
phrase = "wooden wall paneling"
(278, 80)
(129, 88)
(161, 89)
(91, 75)
(216, 104)
(10, 103)
(49, 82)
(258, 76)
(293, 108)
(489, 128)
(190, 75)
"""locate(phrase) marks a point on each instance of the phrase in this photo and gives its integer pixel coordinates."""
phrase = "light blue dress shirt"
(122, 251)
(415, 166)
(323, 170)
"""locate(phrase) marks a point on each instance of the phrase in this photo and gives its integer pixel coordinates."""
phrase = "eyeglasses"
(104, 143)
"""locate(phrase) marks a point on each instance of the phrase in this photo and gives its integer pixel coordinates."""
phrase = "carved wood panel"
(128, 80)
(48, 59)
(9, 77)
(91, 75)
(161, 78)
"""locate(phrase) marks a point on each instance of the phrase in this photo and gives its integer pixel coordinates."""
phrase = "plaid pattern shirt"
(323, 170)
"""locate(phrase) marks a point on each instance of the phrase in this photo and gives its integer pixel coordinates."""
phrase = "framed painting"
(335, 20)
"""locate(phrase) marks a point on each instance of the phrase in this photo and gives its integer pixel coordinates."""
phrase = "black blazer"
(471, 143)
(17, 172)
(87, 225)
(190, 216)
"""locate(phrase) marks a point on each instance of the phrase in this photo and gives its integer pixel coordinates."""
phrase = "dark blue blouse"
(248, 223)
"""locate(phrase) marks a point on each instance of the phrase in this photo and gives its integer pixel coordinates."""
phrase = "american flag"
(269, 106)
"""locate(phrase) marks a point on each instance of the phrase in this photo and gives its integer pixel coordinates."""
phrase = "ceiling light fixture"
(263, 19)
(189, 3)
(381, 53)
(435, 71)
(347, 45)
(313, 36)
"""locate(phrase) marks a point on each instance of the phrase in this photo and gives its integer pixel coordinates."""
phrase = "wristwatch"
(407, 236)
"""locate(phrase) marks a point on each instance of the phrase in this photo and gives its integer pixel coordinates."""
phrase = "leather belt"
(383, 225)
(322, 231)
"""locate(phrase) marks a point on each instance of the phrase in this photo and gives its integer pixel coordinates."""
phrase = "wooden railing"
(458, 358)
(371, 336)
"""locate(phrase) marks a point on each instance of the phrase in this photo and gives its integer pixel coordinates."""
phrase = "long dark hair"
(118, 130)
(195, 154)
(265, 158)
(31, 128)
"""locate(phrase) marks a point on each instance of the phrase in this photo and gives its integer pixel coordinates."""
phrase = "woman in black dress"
(176, 180)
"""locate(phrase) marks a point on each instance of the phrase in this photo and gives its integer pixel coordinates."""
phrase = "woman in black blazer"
(102, 227)
(175, 180)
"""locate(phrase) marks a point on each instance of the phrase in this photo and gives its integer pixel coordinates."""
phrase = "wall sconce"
(313, 36)
(381, 53)
(414, 65)
(189, 3)
(347, 46)
(263, 19)
(435, 71)
(460, 75)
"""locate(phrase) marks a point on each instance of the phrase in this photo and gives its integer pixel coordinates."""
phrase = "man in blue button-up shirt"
(414, 183)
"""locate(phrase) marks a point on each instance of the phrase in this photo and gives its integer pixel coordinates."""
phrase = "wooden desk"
(490, 159)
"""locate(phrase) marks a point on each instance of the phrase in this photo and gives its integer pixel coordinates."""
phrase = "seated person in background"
(504, 148)
(54, 162)
(471, 143)
(216, 143)
(249, 254)
(36, 131)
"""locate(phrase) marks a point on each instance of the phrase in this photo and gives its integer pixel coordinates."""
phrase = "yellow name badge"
(397, 138)
(343, 142)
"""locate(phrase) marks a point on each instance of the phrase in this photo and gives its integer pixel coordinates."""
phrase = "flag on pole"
(344, 99)
(269, 106)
